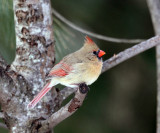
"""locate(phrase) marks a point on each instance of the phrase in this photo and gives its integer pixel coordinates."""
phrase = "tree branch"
(95, 35)
(154, 8)
(34, 41)
(67, 110)
(64, 93)
(34, 58)
(130, 52)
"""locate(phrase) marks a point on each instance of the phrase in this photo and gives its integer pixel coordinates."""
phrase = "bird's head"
(92, 50)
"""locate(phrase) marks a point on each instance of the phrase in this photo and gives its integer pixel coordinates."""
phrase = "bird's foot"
(83, 88)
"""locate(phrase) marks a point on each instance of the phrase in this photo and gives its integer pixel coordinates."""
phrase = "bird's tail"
(46, 88)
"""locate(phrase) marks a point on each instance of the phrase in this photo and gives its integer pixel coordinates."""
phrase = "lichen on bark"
(26, 75)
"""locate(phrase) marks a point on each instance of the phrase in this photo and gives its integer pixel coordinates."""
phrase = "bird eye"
(94, 52)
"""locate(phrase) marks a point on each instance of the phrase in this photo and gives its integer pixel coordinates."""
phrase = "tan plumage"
(82, 66)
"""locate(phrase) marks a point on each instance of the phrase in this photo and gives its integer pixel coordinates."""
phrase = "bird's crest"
(88, 40)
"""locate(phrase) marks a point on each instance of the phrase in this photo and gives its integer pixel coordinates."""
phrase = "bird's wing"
(60, 70)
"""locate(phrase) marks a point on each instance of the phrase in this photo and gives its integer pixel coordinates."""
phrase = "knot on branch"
(75, 104)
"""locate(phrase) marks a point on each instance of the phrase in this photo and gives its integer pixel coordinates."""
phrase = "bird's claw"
(83, 88)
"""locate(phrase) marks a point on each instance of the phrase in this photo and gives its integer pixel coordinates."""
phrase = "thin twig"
(130, 52)
(95, 35)
(154, 8)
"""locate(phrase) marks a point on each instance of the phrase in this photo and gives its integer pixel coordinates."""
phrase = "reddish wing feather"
(58, 72)
(61, 69)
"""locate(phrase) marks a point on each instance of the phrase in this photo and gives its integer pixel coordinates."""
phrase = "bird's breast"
(82, 73)
(93, 72)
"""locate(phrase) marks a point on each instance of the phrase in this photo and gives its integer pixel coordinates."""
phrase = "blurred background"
(123, 99)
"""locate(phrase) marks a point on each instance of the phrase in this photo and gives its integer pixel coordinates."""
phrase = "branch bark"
(1, 115)
(3, 64)
(26, 75)
(67, 110)
(154, 8)
(130, 52)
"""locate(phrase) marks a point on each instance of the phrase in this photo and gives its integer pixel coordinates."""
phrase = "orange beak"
(101, 53)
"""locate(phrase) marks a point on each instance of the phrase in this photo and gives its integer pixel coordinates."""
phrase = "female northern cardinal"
(82, 66)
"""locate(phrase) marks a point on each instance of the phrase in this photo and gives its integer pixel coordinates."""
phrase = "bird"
(82, 66)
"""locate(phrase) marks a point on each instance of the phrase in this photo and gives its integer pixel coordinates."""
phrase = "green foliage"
(7, 33)
(66, 39)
